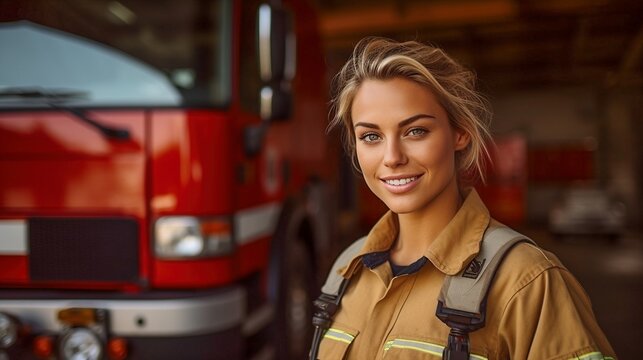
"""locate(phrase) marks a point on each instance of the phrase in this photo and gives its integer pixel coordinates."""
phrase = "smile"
(401, 182)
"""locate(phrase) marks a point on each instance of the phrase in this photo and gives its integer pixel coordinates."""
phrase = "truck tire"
(295, 305)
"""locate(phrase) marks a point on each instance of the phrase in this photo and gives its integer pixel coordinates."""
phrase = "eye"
(417, 132)
(369, 138)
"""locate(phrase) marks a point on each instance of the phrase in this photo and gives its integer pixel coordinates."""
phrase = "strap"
(463, 298)
(466, 291)
(334, 279)
(332, 292)
(325, 308)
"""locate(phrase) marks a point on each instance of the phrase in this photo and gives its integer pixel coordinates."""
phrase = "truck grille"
(96, 249)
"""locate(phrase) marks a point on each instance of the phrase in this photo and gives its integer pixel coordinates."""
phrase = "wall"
(605, 120)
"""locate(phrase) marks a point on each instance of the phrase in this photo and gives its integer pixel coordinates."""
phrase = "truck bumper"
(156, 325)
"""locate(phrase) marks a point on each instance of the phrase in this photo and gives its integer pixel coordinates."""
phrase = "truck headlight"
(8, 331)
(180, 237)
(81, 343)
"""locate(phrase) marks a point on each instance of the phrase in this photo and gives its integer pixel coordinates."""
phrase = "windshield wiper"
(109, 131)
(57, 98)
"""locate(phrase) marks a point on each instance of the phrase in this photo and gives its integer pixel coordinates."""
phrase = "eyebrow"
(402, 123)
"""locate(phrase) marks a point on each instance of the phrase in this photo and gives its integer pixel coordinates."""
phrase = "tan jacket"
(536, 308)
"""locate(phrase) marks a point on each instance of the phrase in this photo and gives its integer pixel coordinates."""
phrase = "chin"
(403, 211)
(401, 207)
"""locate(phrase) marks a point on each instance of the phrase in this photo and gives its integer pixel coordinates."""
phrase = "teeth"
(399, 182)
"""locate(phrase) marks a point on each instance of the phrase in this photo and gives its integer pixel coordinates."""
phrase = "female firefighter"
(417, 131)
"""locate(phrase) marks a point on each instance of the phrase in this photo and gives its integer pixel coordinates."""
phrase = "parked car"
(587, 212)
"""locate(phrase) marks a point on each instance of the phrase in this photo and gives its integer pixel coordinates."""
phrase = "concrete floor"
(612, 274)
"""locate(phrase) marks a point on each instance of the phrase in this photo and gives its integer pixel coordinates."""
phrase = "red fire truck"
(162, 169)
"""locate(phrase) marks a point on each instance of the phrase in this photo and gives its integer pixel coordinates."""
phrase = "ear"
(462, 139)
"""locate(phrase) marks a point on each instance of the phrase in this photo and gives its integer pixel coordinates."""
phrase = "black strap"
(325, 307)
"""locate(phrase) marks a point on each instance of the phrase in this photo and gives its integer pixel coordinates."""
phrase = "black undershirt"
(375, 259)
(398, 270)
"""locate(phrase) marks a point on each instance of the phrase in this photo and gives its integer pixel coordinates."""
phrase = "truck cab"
(163, 179)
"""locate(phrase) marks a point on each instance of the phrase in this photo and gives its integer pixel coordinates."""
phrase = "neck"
(419, 229)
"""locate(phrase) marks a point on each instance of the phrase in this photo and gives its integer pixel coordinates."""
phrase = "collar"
(450, 252)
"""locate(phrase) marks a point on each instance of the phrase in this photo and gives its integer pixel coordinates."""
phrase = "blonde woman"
(417, 131)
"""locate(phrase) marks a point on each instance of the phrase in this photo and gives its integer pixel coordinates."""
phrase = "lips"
(400, 184)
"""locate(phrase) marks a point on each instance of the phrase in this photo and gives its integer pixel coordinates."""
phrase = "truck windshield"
(125, 53)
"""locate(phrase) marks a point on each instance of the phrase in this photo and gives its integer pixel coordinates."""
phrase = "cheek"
(365, 167)
(433, 153)
(365, 157)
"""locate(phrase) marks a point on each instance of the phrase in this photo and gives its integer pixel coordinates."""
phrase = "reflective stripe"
(415, 345)
(338, 335)
(255, 223)
(596, 355)
(429, 348)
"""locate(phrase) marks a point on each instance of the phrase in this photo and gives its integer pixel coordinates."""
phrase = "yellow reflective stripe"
(415, 345)
(596, 355)
(338, 335)
(425, 347)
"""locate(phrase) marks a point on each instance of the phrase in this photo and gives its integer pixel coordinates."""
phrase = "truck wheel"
(298, 281)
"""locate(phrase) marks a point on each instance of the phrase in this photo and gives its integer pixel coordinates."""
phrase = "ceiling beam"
(630, 67)
(632, 55)
(399, 17)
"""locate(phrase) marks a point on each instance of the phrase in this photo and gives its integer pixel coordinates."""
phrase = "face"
(405, 144)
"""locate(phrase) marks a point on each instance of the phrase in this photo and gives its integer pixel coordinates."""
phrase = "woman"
(417, 131)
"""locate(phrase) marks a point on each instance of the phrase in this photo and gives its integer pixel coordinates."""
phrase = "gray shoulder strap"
(334, 280)
(467, 290)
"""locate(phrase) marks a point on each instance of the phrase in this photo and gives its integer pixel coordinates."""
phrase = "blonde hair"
(454, 86)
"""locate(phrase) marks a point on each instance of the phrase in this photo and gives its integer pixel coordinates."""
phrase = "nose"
(394, 155)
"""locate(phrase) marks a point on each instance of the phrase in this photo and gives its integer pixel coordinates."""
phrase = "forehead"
(393, 99)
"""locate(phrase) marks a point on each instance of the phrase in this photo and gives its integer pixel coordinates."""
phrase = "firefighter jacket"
(536, 309)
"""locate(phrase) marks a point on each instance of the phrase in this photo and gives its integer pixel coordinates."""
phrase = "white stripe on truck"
(13, 237)
(255, 223)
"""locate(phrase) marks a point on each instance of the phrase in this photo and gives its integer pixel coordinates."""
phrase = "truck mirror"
(276, 102)
(277, 66)
(276, 42)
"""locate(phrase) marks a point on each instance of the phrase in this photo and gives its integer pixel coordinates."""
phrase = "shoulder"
(521, 261)
(529, 270)
(526, 262)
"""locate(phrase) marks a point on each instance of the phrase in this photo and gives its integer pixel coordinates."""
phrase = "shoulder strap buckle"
(325, 307)
(458, 319)
(461, 324)
(458, 346)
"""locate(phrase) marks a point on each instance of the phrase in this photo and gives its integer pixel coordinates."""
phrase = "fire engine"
(163, 178)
